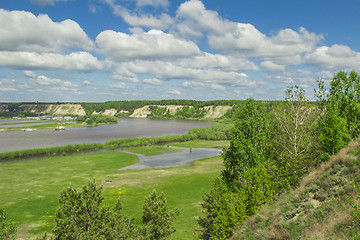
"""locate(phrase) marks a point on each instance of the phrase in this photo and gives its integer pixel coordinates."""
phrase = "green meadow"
(29, 190)
(17, 123)
(50, 125)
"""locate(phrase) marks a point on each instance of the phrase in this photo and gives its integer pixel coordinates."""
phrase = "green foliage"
(188, 112)
(248, 181)
(130, 106)
(334, 133)
(159, 112)
(250, 176)
(157, 218)
(294, 135)
(7, 227)
(248, 146)
(340, 123)
(51, 151)
(223, 209)
(221, 131)
(354, 204)
(17, 114)
(258, 186)
(137, 142)
(226, 207)
(81, 215)
(96, 119)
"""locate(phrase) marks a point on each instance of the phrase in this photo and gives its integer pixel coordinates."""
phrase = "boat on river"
(60, 128)
(29, 129)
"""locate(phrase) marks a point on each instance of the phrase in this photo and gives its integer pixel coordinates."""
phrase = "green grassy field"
(17, 123)
(50, 125)
(153, 150)
(29, 190)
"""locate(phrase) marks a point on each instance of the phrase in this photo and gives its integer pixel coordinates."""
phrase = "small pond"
(175, 159)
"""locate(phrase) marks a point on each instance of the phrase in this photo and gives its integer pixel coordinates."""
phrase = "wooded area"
(271, 152)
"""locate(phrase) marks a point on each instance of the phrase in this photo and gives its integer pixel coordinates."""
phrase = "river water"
(125, 128)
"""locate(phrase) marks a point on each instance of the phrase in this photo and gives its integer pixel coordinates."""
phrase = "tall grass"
(138, 142)
(50, 151)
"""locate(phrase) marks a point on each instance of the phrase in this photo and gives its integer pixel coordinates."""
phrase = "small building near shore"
(46, 117)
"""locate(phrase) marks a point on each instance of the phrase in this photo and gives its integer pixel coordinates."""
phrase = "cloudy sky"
(101, 50)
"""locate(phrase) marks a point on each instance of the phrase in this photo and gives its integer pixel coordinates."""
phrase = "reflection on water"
(175, 159)
(125, 128)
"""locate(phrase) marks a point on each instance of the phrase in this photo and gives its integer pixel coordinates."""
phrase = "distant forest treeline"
(130, 106)
(192, 109)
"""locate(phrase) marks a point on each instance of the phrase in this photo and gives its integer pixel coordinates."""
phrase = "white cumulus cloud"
(287, 47)
(142, 20)
(194, 19)
(29, 74)
(175, 92)
(78, 61)
(24, 31)
(336, 57)
(272, 67)
(153, 81)
(154, 44)
(119, 85)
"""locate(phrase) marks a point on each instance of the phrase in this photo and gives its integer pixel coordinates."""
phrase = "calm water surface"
(175, 159)
(125, 128)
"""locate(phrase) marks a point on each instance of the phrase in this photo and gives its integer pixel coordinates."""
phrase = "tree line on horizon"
(193, 108)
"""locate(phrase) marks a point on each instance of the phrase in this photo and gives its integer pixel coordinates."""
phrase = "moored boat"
(60, 128)
(29, 129)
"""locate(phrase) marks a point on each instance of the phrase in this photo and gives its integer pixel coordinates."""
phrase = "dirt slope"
(62, 109)
(212, 112)
(317, 209)
(56, 109)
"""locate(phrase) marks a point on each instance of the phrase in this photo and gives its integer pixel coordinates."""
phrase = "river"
(125, 128)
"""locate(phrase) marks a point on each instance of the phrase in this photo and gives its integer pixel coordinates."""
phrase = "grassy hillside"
(324, 206)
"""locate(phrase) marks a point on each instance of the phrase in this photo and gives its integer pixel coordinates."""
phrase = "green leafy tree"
(258, 187)
(7, 227)
(334, 133)
(80, 216)
(340, 122)
(294, 135)
(223, 209)
(248, 145)
(345, 92)
(157, 218)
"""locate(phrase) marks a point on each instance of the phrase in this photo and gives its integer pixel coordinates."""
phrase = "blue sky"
(101, 50)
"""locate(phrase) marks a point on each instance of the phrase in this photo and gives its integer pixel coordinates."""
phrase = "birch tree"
(293, 133)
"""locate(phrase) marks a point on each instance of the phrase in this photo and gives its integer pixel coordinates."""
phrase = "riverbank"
(125, 128)
(164, 109)
(20, 124)
(215, 132)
